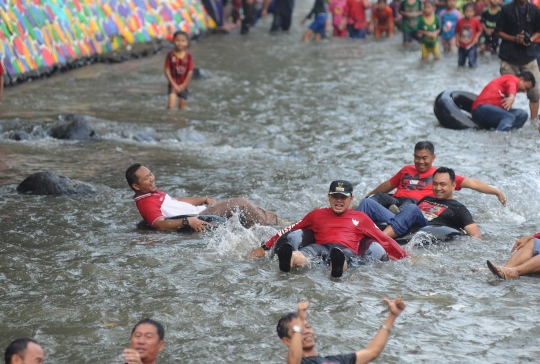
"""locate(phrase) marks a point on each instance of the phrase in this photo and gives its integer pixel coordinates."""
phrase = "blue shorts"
(319, 24)
(409, 36)
(536, 247)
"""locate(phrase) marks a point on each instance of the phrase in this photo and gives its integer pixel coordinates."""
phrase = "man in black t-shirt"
(518, 26)
(295, 332)
(441, 210)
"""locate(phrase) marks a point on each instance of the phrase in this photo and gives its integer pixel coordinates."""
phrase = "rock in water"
(50, 183)
(199, 74)
(76, 127)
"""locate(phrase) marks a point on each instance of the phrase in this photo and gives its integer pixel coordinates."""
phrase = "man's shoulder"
(150, 196)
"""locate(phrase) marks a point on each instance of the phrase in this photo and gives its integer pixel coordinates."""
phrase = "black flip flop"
(284, 255)
(494, 270)
(337, 258)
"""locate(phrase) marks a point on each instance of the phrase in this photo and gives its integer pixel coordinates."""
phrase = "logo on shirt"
(355, 222)
(431, 210)
(415, 183)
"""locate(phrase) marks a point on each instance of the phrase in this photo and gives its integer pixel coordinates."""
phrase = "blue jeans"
(494, 117)
(356, 33)
(409, 217)
(470, 53)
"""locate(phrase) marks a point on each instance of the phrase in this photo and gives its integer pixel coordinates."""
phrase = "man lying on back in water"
(413, 182)
(155, 206)
(526, 259)
(338, 231)
(441, 210)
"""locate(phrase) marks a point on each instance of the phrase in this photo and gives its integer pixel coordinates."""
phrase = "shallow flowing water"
(276, 122)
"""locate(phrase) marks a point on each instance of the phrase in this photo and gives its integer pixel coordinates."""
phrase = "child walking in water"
(318, 26)
(429, 28)
(355, 18)
(337, 8)
(449, 19)
(468, 31)
(178, 70)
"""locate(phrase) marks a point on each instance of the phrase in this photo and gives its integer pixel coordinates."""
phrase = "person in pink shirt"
(492, 109)
(339, 21)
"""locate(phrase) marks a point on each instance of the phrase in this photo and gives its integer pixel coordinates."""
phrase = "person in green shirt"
(410, 10)
(429, 28)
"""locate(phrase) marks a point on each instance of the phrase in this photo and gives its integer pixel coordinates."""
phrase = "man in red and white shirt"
(338, 231)
(414, 182)
(492, 109)
(156, 206)
(526, 259)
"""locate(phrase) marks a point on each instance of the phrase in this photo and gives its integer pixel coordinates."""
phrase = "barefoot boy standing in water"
(178, 70)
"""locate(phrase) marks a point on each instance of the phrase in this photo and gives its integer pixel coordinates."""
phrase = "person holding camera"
(519, 26)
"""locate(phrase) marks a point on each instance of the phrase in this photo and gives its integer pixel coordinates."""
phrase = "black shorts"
(323, 251)
(183, 95)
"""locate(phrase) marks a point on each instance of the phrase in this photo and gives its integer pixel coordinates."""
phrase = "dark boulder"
(199, 74)
(74, 127)
(18, 135)
(50, 183)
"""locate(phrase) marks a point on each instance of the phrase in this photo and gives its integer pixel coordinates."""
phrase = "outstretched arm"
(378, 343)
(472, 230)
(477, 185)
(294, 356)
(385, 187)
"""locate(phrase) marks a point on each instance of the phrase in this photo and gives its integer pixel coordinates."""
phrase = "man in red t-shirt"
(526, 259)
(338, 231)
(413, 182)
(1, 80)
(492, 109)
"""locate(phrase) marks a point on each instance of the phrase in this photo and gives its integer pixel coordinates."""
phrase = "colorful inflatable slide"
(38, 35)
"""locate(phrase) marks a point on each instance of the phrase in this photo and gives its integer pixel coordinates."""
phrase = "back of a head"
(17, 347)
(159, 327)
(425, 145)
(281, 328)
(130, 174)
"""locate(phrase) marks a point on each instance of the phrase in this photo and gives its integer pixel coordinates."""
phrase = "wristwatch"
(297, 329)
(185, 222)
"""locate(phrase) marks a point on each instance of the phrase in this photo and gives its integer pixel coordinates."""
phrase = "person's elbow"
(161, 225)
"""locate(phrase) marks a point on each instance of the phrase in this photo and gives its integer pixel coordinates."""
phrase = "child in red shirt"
(468, 31)
(355, 13)
(179, 70)
(382, 17)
